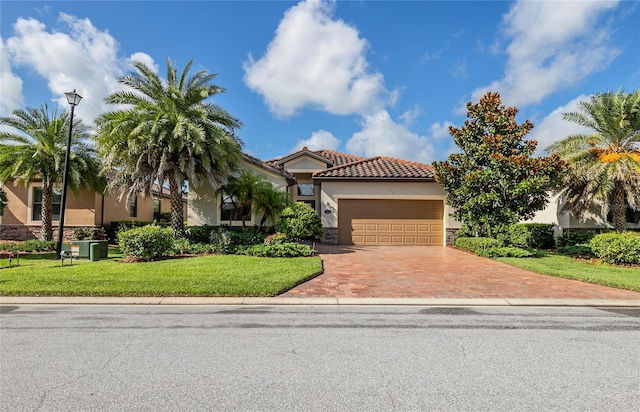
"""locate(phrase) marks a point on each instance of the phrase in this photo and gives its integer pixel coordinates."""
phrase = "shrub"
(286, 250)
(221, 241)
(32, 245)
(574, 238)
(116, 227)
(181, 246)
(199, 234)
(581, 249)
(276, 239)
(89, 233)
(165, 217)
(300, 221)
(201, 248)
(617, 248)
(146, 243)
(246, 237)
(531, 235)
(511, 251)
(477, 244)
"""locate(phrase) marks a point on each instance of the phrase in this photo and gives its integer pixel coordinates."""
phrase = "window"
(133, 207)
(231, 211)
(306, 189)
(311, 203)
(156, 209)
(36, 211)
(632, 216)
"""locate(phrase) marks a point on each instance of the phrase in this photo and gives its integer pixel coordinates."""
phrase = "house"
(592, 221)
(207, 206)
(364, 201)
(22, 218)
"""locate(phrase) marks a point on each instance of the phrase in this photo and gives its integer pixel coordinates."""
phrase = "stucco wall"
(304, 164)
(16, 210)
(553, 214)
(80, 211)
(204, 203)
(115, 211)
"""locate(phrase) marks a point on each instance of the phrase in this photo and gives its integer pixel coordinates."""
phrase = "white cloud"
(459, 69)
(552, 45)
(407, 118)
(11, 85)
(381, 136)
(75, 56)
(143, 58)
(440, 130)
(552, 128)
(320, 140)
(316, 61)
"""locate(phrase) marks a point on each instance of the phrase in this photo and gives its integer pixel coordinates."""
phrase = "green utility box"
(81, 249)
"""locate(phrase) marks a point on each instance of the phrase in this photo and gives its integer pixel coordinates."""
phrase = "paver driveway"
(436, 272)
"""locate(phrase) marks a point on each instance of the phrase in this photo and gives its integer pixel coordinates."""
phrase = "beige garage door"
(390, 222)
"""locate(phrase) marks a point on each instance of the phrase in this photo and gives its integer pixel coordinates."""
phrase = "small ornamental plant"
(277, 238)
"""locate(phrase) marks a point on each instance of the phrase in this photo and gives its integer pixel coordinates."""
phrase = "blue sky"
(368, 78)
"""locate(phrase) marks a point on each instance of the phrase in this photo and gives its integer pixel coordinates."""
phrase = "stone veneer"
(329, 235)
(452, 234)
(26, 232)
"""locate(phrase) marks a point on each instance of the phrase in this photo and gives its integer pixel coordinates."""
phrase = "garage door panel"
(392, 222)
(409, 240)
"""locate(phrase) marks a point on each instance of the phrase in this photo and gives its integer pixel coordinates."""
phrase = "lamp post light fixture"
(74, 99)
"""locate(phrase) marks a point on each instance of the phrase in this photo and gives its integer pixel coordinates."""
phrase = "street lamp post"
(74, 99)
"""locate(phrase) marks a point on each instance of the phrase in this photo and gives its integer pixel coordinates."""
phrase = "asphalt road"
(329, 358)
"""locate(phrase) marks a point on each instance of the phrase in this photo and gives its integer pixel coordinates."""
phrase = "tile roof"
(268, 166)
(333, 158)
(279, 161)
(380, 167)
(338, 158)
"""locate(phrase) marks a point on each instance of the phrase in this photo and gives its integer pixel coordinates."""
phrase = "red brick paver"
(436, 272)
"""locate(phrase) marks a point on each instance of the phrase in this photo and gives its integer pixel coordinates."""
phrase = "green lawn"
(228, 275)
(566, 267)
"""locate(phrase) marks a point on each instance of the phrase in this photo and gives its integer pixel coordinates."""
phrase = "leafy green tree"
(494, 181)
(3, 201)
(166, 132)
(604, 165)
(38, 151)
(300, 221)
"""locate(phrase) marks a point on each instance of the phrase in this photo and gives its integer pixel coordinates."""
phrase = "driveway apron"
(436, 272)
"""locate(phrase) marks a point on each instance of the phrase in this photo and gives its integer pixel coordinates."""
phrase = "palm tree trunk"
(46, 211)
(619, 208)
(175, 191)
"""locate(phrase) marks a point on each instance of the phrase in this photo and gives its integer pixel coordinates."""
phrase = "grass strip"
(218, 275)
(554, 264)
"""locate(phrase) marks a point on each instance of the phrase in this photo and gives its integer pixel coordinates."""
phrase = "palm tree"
(3, 201)
(605, 165)
(270, 201)
(167, 133)
(38, 151)
(243, 189)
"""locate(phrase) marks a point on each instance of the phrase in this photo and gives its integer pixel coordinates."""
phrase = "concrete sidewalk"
(80, 300)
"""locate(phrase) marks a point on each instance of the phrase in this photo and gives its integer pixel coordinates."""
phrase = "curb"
(276, 301)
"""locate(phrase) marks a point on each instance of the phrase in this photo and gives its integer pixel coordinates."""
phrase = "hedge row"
(489, 247)
(617, 248)
(531, 235)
